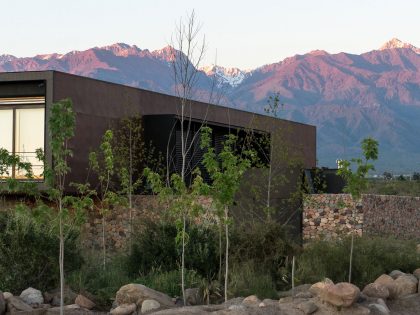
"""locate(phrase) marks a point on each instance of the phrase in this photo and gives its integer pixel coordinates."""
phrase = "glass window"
(22, 132)
(29, 137)
(6, 129)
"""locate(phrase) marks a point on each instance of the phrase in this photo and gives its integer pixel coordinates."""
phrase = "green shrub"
(169, 282)
(29, 253)
(268, 246)
(154, 247)
(102, 283)
(371, 258)
(247, 279)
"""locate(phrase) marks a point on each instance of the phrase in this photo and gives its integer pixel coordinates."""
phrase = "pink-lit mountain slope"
(347, 96)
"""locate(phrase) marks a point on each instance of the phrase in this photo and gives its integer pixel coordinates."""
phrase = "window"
(22, 131)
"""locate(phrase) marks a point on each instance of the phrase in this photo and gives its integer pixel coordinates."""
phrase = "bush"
(266, 245)
(371, 258)
(29, 253)
(102, 283)
(169, 282)
(154, 248)
(247, 279)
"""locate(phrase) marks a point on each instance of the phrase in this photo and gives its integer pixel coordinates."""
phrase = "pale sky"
(245, 34)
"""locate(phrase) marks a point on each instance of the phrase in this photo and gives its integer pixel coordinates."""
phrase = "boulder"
(251, 300)
(416, 273)
(68, 309)
(379, 309)
(53, 297)
(405, 285)
(2, 304)
(388, 282)
(7, 295)
(341, 294)
(376, 290)
(124, 309)
(317, 288)
(394, 274)
(137, 293)
(307, 307)
(192, 296)
(84, 302)
(32, 296)
(149, 305)
(15, 304)
(298, 289)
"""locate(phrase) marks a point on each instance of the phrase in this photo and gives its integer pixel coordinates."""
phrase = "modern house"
(26, 97)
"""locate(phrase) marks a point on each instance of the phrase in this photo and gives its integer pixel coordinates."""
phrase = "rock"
(307, 307)
(235, 307)
(124, 309)
(68, 309)
(149, 305)
(319, 287)
(7, 295)
(269, 302)
(137, 293)
(394, 274)
(2, 304)
(192, 296)
(251, 300)
(32, 296)
(388, 282)
(84, 302)
(304, 295)
(416, 273)
(298, 289)
(341, 294)
(262, 304)
(379, 307)
(376, 290)
(405, 285)
(53, 297)
(15, 304)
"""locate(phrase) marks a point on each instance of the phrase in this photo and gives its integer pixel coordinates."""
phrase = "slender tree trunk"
(226, 253)
(103, 242)
(293, 276)
(351, 256)
(183, 260)
(130, 188)
(268, 204)
(220, 252)
(61, 259)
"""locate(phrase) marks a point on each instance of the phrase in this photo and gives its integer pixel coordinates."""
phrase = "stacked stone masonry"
(117, 223)
(329, 216)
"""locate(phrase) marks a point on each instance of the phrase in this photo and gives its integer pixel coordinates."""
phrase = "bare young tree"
(187, 52)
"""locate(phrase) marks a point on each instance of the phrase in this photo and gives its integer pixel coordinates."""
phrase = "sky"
(244, 34)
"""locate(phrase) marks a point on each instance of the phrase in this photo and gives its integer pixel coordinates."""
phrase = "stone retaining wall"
(397, 216)
(330, 216)
(117, 223)
(333, 216)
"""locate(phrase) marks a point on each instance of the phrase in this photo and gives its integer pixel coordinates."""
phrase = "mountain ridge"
(347, 96)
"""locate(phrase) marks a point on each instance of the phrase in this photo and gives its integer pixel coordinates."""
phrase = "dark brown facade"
(99, 105)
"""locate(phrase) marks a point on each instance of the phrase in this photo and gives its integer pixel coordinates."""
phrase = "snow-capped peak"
(49, 56)
(122, 50)
(6, 58)
(230, 76)
(396, 43)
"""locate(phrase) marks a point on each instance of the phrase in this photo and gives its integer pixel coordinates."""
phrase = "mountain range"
(347, 96)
